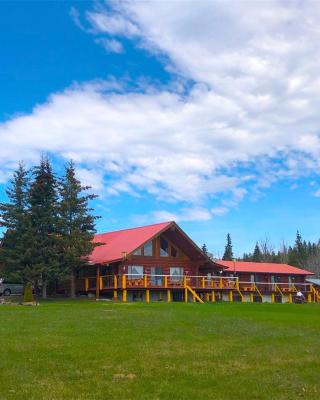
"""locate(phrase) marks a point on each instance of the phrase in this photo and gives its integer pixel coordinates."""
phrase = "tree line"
(48, 226)
(302, 254)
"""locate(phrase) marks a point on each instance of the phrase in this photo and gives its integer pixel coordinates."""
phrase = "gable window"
(176, 274)
(138, 252)
(147, 249)
(173, 252)
(135, 272)
(164, 248)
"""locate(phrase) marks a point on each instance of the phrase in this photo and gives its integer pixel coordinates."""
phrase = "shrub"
(28, 293)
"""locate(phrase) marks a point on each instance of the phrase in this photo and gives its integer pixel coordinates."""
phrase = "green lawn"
(99, 350)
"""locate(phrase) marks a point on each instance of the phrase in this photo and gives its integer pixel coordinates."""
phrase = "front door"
(156, 278)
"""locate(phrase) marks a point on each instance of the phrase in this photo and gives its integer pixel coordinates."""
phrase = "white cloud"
(114, 24)
(185, 214)
(110, 45)
(219, 211)
(251, 104)
(317, 193)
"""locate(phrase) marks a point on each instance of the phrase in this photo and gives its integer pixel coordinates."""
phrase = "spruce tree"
(204, 249)
(228, 253)
(14, 217)
(257, 255)
(298, 255)
(77, 224)
(45, 248)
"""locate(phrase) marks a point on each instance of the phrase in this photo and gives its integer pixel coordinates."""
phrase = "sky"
(202, 112)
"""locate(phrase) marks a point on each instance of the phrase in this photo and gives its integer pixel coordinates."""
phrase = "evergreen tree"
(257, 255)
(228, 253)
(298, 255)
(45, 248)
(204, 249)
(28, 293)
(15, 254)
(77, 224)
(247, 257)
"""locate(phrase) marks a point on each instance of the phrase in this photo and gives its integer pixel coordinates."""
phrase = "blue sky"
(206, 113)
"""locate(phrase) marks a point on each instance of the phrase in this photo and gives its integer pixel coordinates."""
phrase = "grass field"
(99, 350)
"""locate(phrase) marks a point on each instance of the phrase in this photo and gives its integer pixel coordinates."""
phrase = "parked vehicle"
(8, 288)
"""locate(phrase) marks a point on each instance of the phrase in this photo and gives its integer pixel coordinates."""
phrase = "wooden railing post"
(145, 280)
(166, 281)
(86, 284)
(220, 283)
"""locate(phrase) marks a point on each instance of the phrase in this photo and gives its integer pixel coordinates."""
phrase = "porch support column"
(186, 295)
(124, 288)
(148, 295)
(230, 296)
(251, 297)
(272, 297)
(213, 297)
(309, 297)
(169, 296)
(115, 285)
(98, 282)
(290, 297)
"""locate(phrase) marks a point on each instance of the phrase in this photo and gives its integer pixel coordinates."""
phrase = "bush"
(28, 293)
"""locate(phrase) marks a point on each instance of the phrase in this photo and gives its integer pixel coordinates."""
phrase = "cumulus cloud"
(247, 116)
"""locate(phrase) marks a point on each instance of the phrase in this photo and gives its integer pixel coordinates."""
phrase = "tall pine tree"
(257, 254)
(45, 249)
(14, 217)
(204, 249)
(77, 224)
(228, 252)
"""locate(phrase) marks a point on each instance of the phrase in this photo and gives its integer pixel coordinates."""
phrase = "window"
(291, 279)
(135, 272)
(173, 252)
(164, 247)
(176, 274)
(147, 250)
(138, 252)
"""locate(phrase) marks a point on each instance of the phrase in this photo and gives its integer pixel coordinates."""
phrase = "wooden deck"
(197, 288)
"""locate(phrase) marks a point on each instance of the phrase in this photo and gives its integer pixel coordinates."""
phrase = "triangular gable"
(115, 245)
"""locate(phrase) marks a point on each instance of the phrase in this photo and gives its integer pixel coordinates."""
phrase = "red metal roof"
(265, 268)
(126, 240)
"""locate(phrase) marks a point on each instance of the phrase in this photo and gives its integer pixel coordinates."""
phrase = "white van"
(8, 288)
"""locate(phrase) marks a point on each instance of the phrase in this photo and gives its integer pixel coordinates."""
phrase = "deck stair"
(194, 294)
(258, 291)
(277, 289)
(243, 299)
(237, 288)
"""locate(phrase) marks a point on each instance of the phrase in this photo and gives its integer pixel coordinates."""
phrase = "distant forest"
(301, 254)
